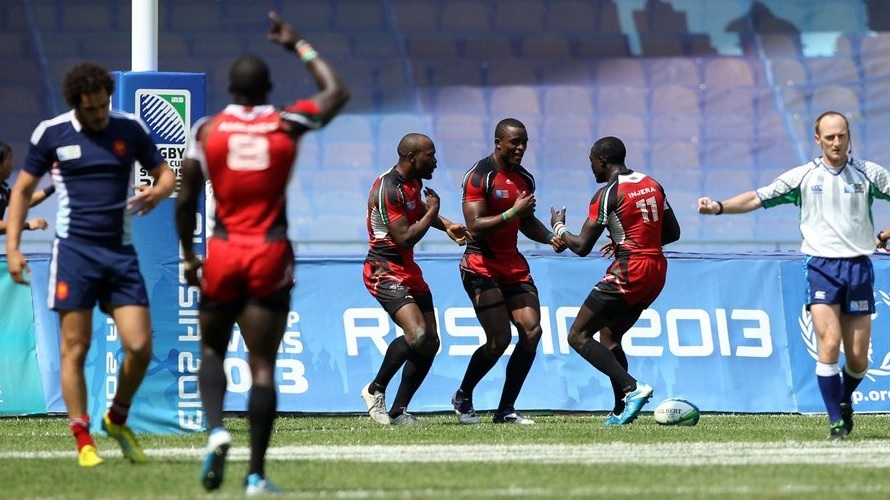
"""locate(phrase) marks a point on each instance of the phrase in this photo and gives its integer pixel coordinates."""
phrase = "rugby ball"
(676, 411)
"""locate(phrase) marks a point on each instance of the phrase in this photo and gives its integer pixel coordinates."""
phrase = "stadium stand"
(660, 75)
(788, 71)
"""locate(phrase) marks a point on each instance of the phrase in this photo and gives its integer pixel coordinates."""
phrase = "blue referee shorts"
(82, 274)
(848, 282)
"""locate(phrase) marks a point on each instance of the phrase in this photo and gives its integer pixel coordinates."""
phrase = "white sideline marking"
(864, 454)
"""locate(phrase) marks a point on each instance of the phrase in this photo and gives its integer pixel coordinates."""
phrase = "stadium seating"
(573, 17)
(561, 100)
(686, 84)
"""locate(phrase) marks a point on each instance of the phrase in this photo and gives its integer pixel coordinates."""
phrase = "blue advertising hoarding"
(21, 390)
(729, 333)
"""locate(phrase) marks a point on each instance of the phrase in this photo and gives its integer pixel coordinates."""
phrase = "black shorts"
(393, 298)
(475, 284)
(607, 301)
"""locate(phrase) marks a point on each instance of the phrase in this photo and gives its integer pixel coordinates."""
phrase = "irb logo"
(167, 113)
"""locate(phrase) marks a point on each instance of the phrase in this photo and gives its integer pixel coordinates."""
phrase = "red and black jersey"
(499, 190)
(632, 207)
(392, 197)
(248, 154)
(496, 255)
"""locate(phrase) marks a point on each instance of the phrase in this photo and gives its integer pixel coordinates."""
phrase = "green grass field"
(724, 456)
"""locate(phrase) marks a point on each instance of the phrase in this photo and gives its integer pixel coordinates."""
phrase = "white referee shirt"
(835, 205)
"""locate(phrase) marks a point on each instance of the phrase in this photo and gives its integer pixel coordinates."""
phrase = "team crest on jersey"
(62, 290)
(501, 193)
(119, 148)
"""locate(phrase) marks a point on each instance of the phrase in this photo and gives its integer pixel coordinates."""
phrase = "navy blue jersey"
(94, 173)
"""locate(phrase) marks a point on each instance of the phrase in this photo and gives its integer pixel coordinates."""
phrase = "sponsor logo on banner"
(167, 114)
(291, 376)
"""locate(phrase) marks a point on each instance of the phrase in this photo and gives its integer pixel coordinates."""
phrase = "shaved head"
(610, 148)
(412, 143)
(249, 77)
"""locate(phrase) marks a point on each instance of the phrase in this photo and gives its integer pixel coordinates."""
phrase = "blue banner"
(729, 333)
(20, 387)
(694, 342)
(48, 336)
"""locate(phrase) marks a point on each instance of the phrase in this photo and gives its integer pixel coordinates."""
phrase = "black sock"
(212, 384)
(413, 374)
(481, 362)
(261, 407)
(517, 369)
(850, 384)
(617, 390)
(603, 360)
(396, 355)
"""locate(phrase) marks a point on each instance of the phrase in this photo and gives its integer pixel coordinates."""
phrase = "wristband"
(561, 231)
(49, 190)
(509, 214)
(557, 225)
(305, 51)
(27, 226)
(191, 264)
(719, 208)
(549, 237)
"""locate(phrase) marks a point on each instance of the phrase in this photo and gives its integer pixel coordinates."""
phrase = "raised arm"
(333, 92)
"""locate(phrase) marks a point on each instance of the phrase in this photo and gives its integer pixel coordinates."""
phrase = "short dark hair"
(506, 123)
(5, 151)
(611, 149)
(249, 76)
(86, 78)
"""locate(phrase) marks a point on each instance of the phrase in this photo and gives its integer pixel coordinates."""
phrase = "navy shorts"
(847, 282)
(81, 274)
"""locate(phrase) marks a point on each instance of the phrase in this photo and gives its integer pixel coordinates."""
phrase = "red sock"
(80, 427)
(118, 412)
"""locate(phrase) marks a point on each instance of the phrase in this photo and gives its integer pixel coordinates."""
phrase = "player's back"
(249, 159)
(633, 207)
